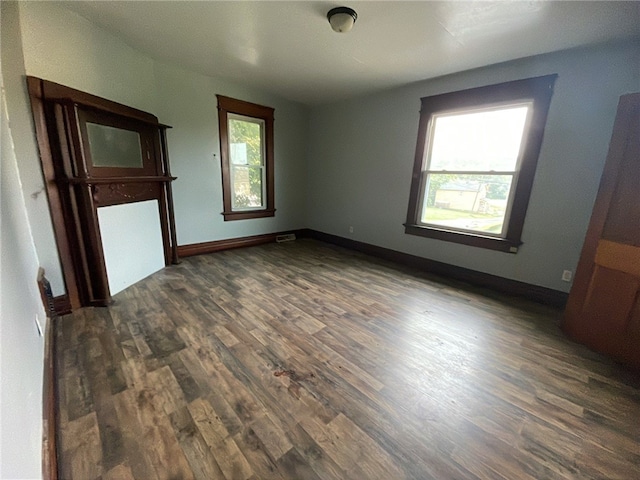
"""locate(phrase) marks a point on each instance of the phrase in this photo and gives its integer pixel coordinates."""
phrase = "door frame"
(608, 183)
(628, 108)
(75, 195)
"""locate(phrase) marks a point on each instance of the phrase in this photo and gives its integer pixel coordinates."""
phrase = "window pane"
(114, 147)
(479, 141)
(245, 141)
(467, 202)
(238, 153)
(247, 186)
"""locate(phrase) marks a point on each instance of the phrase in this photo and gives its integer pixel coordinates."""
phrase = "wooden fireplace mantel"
(76, 187)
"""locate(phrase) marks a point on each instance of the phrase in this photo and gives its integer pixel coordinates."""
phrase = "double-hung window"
(475, 161)
(246, 147)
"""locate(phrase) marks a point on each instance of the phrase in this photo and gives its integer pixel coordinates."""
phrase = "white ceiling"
(288, 48)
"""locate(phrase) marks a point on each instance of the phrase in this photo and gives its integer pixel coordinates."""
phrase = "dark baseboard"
(62, 304)
(49, 397)
(49, 386)
(218, 245)
(536, 293)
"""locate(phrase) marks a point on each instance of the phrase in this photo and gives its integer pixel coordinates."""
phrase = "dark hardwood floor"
(306, 361)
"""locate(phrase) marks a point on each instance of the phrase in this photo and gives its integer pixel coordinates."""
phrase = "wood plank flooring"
(306, 361)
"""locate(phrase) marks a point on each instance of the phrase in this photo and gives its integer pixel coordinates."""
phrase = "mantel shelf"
(108, 180)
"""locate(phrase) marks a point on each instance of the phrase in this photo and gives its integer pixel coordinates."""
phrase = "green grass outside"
(495, 228)
(434, 213)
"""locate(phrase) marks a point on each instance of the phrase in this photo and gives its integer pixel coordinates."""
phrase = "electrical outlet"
(566, 275)
(38, 325)
(350, 229)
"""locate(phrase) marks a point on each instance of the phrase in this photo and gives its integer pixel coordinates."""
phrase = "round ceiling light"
(342, 19)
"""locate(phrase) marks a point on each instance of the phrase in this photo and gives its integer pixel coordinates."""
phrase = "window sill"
(246, 215)
(491, 243)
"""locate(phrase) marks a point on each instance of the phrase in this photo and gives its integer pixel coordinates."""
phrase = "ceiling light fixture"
(342, 19)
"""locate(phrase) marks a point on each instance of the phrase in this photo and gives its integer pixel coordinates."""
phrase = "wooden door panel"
(603, 310)
(618, 256)
(611, 298)
(623, 219)
(633, 327)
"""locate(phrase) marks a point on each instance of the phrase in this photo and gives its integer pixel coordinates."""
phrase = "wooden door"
(603, 310)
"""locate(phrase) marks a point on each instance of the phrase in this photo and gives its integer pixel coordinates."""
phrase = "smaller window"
(246, 150)
(475, 160)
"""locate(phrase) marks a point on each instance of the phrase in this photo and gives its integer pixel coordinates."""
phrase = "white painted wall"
(21, 348)
(362, 152)
(131, 241)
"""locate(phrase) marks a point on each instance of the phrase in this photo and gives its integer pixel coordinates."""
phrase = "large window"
(246, 149)
(475, 161)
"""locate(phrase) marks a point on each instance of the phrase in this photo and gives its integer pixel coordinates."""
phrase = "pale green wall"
(362, 151)
(341, 164)
(187, 101)
(19, 111)
(63, 47)
(344, 164)
(21, 348)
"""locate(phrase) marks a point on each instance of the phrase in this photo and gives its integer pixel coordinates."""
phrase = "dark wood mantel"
(76, 187)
